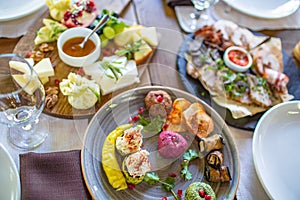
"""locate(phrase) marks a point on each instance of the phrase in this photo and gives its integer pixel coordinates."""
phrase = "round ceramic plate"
(117, 112)
(276, 148)
(268, 9)
(10, 187)
(14, 9)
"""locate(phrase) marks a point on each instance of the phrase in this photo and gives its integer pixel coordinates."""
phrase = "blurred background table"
(68, 134)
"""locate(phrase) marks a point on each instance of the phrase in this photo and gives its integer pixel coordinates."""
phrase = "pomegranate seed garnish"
(56, 81)
(159, 98)
(28, 54)
(130, 120)
(141, 110)
(172, 175)
(165, 126)
(207, 197)
(179, 193)
(164, 198)
(135, 118)
(201, 193)
(130, 186)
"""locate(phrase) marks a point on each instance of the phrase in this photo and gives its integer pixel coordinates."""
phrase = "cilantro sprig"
(129, 49)
(188, 156)
(168, 185)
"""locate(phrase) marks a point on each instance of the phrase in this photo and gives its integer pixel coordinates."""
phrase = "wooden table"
(161, 71)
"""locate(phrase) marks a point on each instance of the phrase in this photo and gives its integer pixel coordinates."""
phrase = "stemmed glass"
(22, 99)
(200, 17)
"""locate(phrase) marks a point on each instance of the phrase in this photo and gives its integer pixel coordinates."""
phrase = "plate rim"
(12, 164)
(234, 4)
(213, 112)
(38, 5)
(256, 134)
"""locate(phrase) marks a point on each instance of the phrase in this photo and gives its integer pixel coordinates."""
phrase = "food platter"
(10, 186)
(10, 11)
(276, 136)
(63, 109)
(116, 112)
(265, 9)
(195, 87)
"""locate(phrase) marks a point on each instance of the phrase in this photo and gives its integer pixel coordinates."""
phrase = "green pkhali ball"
(192, 192)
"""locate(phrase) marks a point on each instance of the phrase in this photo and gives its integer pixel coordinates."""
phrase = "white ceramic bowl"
(234, 66)
(78, 61)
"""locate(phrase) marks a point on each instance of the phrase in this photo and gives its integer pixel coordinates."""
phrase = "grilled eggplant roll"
(210, 143)
(217, 175)
(215, 159)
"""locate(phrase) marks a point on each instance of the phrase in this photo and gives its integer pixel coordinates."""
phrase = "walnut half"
(51, 97)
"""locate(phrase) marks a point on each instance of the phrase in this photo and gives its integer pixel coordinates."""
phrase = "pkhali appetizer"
(199, 191)
(131, 141)
(171, 144)
(135, 166)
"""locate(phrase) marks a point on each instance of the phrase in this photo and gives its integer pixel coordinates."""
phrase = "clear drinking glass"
(200, 17)
(22, 99)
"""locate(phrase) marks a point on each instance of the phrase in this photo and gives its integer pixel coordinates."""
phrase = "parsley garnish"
(167, 185)
(188, 156)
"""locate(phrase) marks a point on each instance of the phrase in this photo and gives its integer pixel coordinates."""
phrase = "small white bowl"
(78, 61)
(234, 66)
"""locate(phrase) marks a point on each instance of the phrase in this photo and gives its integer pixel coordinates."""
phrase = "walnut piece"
(37, 56)
(51, 97)
(44, 47)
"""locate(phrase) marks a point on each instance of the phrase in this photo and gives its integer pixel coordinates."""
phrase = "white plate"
(14, 9)
(10, 187)
(276, 150)
(268, 9)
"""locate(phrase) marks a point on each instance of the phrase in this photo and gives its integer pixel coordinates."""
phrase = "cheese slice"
(149, 34)
(44, 79)
(44, 68)
(109, 85)
(19, 66)
(23, 79)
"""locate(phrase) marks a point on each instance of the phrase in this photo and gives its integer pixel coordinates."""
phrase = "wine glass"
(200, 17)
(22, 99)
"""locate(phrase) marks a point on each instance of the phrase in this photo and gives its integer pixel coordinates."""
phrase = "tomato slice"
(238, 57)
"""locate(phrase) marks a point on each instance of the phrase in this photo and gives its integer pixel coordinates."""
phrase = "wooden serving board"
(63, 109)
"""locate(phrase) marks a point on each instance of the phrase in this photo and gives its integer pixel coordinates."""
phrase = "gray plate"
(117, 112)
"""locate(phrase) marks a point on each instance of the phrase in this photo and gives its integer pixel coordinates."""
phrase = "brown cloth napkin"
(52, 176)
(173, 3)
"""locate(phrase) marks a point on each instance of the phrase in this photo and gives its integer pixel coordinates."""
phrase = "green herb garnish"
(168, 185)
(116, 70)
(188, 156)
(129, 49)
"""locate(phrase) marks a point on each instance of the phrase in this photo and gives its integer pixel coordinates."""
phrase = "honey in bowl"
(72, 48)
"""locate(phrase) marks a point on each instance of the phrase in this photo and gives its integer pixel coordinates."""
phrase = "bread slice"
(198, 121)
(175, 119)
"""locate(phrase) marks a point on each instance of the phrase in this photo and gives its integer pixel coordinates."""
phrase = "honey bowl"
(72, 54)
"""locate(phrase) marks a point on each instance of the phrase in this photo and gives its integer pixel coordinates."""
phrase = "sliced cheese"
(149, 34)
(23, 79)
(44, 68)
(19, 66)
(44, 79)
(109, 85)
(143, 53)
